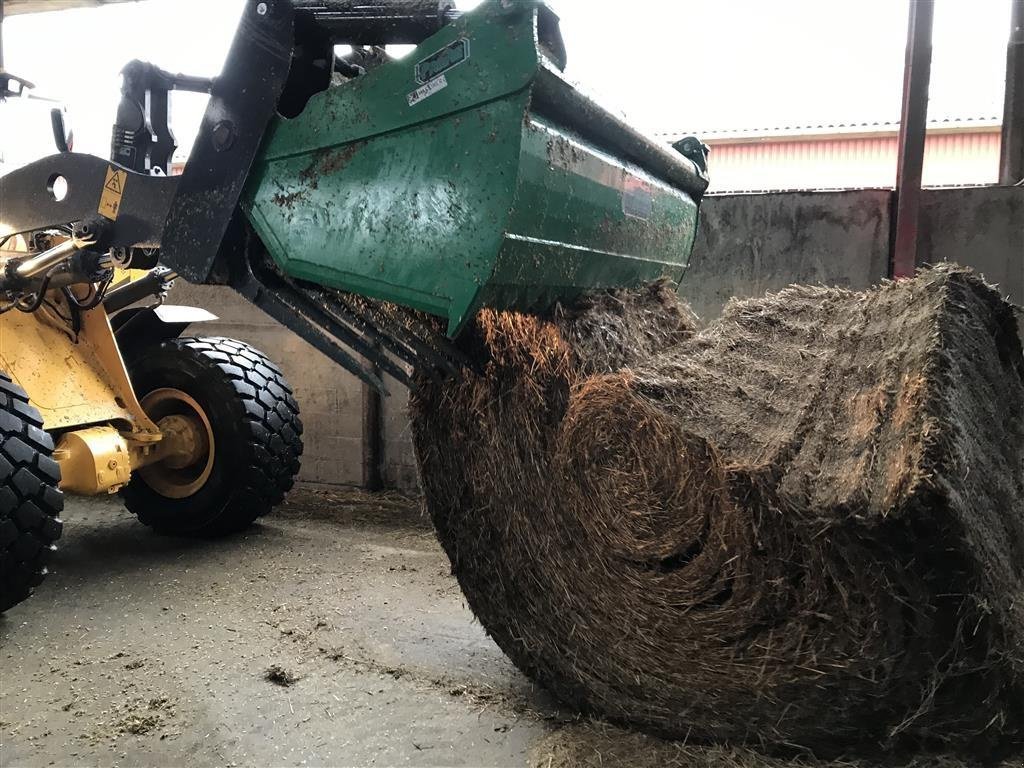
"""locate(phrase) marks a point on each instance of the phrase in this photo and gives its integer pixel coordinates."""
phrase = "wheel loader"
(372, 205)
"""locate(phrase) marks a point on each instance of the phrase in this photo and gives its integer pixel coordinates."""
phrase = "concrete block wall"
(747, 244)
(750, 244)
(981, 227)
(399, 457)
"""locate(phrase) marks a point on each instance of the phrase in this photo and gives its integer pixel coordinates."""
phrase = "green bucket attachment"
(470, 174)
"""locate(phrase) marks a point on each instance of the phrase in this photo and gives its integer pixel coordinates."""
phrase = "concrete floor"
(147, 650)
(142, 650)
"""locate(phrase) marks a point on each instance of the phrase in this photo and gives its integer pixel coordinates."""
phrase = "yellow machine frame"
(79, 383)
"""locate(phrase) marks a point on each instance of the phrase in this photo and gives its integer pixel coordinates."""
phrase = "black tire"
(257, 434)
(30, 502)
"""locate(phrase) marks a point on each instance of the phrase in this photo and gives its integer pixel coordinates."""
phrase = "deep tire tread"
(30, 501)
(268, 446)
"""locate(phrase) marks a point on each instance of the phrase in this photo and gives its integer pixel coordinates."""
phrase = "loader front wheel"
(30, 502)
(233, 424)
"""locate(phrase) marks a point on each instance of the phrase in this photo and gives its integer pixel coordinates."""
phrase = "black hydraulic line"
(40, 295)
(95, 300)
(60, 138)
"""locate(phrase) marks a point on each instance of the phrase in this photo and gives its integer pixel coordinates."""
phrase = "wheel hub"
(186, 440)
(187, 448)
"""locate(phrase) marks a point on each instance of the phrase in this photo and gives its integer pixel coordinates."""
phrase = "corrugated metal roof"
(847, 129)
(16, 7)
(951, 159)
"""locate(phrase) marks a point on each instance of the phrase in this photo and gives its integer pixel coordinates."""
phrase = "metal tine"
(416, 328)
(413, 351)
(345, 334)
(441, 343)
(393, 327)
(337, 307)
(285, 313)
(338, 320)
(272, 291)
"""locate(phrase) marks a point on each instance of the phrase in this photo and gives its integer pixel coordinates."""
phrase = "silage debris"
(802, 526)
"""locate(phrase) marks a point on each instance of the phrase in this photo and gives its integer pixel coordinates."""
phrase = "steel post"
(373, 437)
(1011, 159)
(913, 127)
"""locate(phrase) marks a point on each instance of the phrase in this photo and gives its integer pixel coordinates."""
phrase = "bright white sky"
(669, 65)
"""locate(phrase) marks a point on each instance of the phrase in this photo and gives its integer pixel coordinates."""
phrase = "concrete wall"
(747, 244)
(399, 458)
(750, 244)
(982, 228)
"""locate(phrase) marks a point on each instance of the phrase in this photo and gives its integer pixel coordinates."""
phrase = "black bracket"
(142, 138)
(242, 103)
(29, 198)
(60, 130)
(8, 83)
(694, 150)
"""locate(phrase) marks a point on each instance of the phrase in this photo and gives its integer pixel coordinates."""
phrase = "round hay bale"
(761, 532)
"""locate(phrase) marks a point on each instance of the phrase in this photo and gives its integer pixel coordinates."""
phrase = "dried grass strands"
(802, 526)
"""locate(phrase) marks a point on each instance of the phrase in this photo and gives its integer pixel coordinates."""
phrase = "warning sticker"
(113, 191)
(428, 90)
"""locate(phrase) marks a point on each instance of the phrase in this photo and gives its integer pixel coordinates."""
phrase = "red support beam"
(913, 126)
